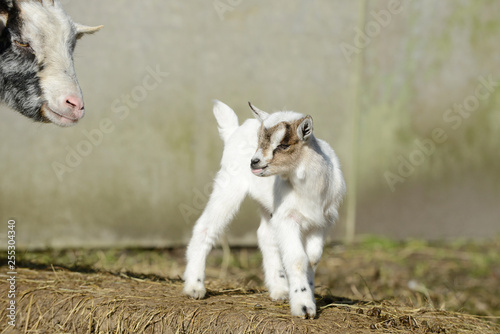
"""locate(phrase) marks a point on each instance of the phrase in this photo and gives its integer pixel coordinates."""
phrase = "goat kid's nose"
(76, 105)
(254, 162)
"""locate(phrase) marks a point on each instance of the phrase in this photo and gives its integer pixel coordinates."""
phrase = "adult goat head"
(37, 75)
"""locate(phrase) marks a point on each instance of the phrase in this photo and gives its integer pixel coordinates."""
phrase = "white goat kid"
(298, 183)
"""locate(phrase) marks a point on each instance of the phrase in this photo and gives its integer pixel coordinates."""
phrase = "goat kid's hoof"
(194, 290)
(304, 311)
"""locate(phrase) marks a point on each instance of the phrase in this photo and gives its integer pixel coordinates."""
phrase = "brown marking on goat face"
(285, 155)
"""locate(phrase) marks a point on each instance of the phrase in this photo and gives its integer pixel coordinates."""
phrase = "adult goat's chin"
(64, 119)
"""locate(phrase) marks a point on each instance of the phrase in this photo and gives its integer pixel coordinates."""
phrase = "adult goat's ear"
(83, 30)
(4, 16)
(259, 114)
(5, 8)
(305, 129)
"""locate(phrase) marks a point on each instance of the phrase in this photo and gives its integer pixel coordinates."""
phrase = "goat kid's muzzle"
(257, 167)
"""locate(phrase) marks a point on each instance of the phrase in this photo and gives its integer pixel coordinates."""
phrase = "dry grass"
(61, 301)
(124, 291)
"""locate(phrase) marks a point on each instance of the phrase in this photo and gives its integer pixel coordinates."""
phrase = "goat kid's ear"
(83, 30)
(305, 129)
(259, 114)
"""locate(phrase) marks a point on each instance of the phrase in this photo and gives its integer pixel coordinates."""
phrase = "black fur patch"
(19, 82)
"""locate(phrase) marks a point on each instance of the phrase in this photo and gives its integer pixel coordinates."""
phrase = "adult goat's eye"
(24, 45)
(21, 44)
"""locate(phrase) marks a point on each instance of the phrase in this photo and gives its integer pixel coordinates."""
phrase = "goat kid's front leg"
(297, 267)
(224, 202)
(275, 276)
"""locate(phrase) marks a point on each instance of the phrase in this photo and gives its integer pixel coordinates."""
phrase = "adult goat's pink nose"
(76, 106)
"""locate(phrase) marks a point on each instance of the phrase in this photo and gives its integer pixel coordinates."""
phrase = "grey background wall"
(406, 92)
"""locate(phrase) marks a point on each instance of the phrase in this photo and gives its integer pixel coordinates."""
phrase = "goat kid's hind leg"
(223, 204)
(275, 276)
(297, 266)
(314, 243)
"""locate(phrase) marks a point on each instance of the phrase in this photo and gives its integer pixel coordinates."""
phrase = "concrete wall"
(137, 170)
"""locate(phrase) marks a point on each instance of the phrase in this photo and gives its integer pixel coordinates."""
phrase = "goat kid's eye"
(283, 147)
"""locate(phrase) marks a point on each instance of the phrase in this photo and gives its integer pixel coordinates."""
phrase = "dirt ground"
(375, 286)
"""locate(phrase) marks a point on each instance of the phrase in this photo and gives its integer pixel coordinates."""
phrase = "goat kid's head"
(37, 40)
(282, 136)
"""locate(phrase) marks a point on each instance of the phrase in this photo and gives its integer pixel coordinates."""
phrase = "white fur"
(297, 210)
(283, 116)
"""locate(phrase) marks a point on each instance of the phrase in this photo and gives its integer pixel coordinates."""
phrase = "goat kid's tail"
(226, 119)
